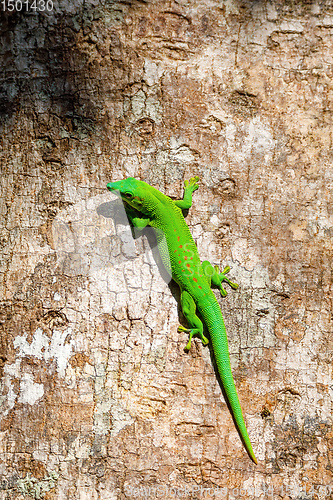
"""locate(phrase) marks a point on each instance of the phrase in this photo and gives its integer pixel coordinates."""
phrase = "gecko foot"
(192, 184)
(224, 278)
(192, 332)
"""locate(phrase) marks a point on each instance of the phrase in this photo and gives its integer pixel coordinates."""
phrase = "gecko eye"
(128, 195)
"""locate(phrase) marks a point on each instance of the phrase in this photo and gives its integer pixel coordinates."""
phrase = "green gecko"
(146, 206)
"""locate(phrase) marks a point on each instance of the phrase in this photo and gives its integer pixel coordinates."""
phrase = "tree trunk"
(99, 399)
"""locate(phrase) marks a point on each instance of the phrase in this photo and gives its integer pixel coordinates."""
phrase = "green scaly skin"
(146, 206)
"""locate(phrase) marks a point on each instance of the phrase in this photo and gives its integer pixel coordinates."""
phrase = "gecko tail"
(215, 324)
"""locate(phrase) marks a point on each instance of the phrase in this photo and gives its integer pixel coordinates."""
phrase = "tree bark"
(99, 399)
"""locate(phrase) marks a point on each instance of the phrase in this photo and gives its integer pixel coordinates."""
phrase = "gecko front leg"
(134, 219)
(189, 188)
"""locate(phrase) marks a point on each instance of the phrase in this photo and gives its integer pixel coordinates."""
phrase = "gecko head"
(131, 191)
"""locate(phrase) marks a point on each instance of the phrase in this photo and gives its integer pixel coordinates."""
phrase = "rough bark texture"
(99, 399)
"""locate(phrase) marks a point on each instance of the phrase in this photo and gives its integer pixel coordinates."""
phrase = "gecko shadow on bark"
(115, 210)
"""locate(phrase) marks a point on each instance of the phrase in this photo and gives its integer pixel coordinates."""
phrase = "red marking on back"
(175, 251)
(185, 258)
(179, 262)
(180, 246)
(178, 238)
(195, 279)
(188, 265)
(200, 287)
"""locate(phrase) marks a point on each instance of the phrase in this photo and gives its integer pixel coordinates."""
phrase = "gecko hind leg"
(215, 278)
(189, 311)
